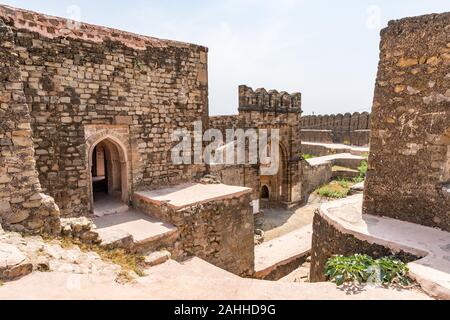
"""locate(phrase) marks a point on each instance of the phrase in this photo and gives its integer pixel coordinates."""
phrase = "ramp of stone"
(190, 194)
(144, 232)
(432, 272)
(323, 149)
(341, 159)
(277, 258)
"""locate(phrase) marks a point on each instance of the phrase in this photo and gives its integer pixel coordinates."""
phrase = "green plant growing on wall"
(137, 64)
(307, 156)
(362, 169)
(363, 268)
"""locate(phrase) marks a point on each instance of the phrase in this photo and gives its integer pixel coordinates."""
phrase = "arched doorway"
(283, 176)
(108, 170)
(278, 183)
(265, 193)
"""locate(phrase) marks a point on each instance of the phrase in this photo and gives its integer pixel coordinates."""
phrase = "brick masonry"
(23, 206)
(409, 166)
(104, 80)
(262, 109)
(349, 128)
(219, 231)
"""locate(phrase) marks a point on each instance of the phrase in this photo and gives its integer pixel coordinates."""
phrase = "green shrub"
(307, 156)
(344, 183)
(362, 268)
(329, 192)
(362, 169)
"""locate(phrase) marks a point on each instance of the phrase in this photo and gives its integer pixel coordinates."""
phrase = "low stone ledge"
(340, 228)
(215, 222)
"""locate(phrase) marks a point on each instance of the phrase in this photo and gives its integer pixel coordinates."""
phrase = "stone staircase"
(279, 257)
(116, 225)
(136, 232)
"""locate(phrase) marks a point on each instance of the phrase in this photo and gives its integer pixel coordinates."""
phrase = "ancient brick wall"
(23, 206)
(223, 123)
(220, 231)
(348, 128)
(262, 109)
(75, 76)
(408, 174)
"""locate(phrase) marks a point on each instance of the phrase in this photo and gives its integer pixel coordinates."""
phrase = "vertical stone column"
(23, 207)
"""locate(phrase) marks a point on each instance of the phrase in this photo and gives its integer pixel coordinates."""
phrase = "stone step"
(108, 205)
(135, 232)
(279, 257)
(157, 258)
(344, 173)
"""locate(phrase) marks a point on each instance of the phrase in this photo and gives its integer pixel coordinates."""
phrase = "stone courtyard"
(93, 206)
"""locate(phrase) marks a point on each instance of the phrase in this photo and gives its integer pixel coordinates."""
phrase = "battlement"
(272, 101)
(340, 122)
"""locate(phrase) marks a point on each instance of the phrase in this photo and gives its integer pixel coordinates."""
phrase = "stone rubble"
(81, 228)
(19, 256)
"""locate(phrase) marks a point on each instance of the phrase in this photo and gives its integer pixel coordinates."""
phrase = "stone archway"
(278, 184)
(113, 173)
(283, 175)
(265, 194)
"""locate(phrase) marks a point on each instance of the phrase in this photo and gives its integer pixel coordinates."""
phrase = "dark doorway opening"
(99, 171)
(265, 192)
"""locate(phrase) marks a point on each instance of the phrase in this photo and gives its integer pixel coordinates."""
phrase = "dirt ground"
(276, 222)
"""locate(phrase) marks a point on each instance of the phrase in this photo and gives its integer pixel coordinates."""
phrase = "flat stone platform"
(190, 194)
(432, 272)
(140, 226)
(279, 257)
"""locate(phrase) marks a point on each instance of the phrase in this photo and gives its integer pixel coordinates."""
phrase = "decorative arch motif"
(118, 155)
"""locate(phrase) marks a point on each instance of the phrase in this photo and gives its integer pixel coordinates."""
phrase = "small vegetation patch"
(307, 156)
(336, 189)
(362, 269)
(127, 261)
(362, 169)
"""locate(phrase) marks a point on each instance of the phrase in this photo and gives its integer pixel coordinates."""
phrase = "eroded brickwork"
(95, 76)
(23, 206)
(219, 231)
(408, 174)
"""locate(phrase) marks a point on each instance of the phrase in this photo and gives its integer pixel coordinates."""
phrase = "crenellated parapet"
(337, 122)
(338, 128)
(269, 101)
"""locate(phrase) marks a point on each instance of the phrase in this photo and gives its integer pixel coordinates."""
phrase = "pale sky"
(326, 49)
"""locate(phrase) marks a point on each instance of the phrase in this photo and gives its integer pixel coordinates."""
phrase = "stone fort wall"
(23, 206)
(409, 172)
(74, 77)
(262, 109)
(339, 128)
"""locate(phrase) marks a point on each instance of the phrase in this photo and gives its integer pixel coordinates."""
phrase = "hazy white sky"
(326, 49)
